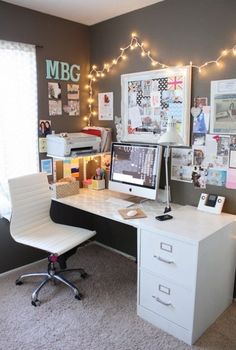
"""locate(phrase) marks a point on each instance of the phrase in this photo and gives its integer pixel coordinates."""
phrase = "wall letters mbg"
(62, 71)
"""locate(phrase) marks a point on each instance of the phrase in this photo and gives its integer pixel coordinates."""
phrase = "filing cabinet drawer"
(168, 257)
(166, 299)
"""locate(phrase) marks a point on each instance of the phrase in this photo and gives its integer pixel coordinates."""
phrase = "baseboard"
(21, 267)
(116, 251)
(87, 243)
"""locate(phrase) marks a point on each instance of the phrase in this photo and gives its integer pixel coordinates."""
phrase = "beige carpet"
(104, 320)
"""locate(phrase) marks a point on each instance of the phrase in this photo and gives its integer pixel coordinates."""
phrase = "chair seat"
(55, 238)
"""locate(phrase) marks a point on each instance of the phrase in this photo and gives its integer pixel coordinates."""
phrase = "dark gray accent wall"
(175, 31)
(60, 40)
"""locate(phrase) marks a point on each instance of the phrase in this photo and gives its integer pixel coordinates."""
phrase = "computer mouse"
(131, 213)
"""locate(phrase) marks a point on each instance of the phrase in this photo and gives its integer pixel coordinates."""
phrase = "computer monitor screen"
(135, 169)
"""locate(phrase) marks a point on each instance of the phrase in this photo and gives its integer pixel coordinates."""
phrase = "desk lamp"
(170, 138)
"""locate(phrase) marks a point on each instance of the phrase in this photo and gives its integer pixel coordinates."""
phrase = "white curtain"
(18, 115)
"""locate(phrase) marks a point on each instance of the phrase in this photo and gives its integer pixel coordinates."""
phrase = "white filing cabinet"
(186, 271)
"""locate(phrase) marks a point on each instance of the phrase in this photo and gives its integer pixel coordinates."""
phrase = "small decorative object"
(118, 125)
(196, 111)
(100, 174)
(98, 182)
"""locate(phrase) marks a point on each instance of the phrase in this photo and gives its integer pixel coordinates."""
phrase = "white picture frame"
(149, 98)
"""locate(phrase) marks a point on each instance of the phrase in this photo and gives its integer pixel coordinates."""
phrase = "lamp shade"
(171, 137)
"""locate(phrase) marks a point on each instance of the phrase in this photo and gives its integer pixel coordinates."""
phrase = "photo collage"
(212, 158)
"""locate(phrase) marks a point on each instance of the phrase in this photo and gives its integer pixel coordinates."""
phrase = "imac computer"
(135, 169)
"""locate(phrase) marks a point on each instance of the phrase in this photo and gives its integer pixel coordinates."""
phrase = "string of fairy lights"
(96, 74)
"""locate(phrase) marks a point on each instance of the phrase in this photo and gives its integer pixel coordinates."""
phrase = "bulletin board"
(149, 98)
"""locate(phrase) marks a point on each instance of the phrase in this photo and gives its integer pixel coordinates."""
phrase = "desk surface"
(188, 223)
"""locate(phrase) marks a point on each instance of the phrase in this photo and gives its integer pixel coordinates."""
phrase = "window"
(18, 115)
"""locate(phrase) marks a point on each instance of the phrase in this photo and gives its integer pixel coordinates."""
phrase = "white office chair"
(31, 225)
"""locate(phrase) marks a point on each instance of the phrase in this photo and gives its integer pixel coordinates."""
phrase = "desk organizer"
(98, 184)
(64, 189)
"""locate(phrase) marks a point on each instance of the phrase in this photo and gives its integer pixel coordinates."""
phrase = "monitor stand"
(137, 200)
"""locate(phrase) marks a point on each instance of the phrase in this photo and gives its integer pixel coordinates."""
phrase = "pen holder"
(98, 184)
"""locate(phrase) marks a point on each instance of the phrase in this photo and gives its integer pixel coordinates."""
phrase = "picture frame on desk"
(149, 98)
(46, 166)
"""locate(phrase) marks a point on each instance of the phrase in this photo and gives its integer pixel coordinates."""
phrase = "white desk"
(186, 265)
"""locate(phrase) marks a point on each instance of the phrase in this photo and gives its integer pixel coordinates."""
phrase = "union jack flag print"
(175, 83)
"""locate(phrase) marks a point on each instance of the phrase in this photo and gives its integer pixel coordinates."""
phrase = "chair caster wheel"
(35, 302)
(19, 282)
(84, 275)
(79, 296)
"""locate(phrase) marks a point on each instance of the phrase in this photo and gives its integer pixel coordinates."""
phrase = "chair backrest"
(31, 200)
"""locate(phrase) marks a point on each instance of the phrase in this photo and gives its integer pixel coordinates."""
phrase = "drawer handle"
(161, 301)
(163, 260)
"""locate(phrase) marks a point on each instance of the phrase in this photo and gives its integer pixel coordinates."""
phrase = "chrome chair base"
(52, 275)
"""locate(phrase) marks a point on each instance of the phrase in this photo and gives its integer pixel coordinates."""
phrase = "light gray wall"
(175, 31)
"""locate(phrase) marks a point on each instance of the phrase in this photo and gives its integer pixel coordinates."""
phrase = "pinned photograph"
(201, 121)
(182, 156)
(231, 178)
(232, 158)
(223, 102)
(199, 177)
(54, 91)
(105, 105)
(55, 107)
(42, 145)
(199, 155)
(199, 139)
(200, 101)
(181, 173)
(216, 177)
(217, 151)
(232, 152)
(44, 128)
(73, 108)
(73, 91)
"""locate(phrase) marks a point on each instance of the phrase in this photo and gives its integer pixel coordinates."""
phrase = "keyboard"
(120, 203)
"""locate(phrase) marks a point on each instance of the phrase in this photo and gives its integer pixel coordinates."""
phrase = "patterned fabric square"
(164, 103)
(175, 110)
(163, 84)
(139, 97)
(175, 83)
